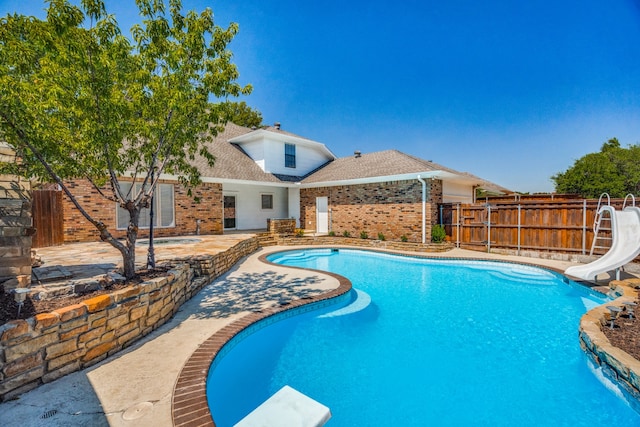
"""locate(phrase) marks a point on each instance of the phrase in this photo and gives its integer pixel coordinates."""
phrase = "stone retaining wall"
(351, 241)
(616, 363)
(50, 345)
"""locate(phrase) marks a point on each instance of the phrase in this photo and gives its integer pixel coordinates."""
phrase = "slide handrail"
(633, 200)
(600, 199)
(596, 219)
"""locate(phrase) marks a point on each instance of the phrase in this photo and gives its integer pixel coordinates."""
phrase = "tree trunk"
(129, 252)
(129, 264)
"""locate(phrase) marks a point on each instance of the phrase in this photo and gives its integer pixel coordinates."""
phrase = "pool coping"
(189, 405)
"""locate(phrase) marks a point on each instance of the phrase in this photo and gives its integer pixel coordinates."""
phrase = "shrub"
(364, 235)
(299, 232)
(345, 233)
(404, 238)
(381, 237)
(438, 234)
(332, 233)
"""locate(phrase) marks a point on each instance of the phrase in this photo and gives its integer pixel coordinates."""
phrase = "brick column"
(15, 228)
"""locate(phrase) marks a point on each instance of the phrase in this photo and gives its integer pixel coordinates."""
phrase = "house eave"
(438, 174)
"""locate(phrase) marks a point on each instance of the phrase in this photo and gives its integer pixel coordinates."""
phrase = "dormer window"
(289, 156)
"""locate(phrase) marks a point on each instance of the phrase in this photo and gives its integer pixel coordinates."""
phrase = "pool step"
(361, 301)
(303, 256)
(524, 277)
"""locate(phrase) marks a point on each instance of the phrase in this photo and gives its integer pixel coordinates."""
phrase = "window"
(163, 211)
(267, 201)
(289, 155)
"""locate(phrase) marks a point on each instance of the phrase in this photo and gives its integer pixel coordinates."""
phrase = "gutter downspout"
(424, 208)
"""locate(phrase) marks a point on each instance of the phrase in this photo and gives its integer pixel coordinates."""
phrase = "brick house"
(270, 173)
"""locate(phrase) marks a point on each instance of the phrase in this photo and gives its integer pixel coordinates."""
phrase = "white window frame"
(157, 211)
(262, 204)
(292, 155)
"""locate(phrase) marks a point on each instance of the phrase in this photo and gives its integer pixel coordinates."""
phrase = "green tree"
(242, 115)
(614, 170)
(80, 100)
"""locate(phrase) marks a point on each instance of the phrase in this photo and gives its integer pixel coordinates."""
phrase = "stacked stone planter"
(50, 345)
(288, 240)
(616, 363)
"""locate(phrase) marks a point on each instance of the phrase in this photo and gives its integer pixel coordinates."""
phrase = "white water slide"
(625, 245)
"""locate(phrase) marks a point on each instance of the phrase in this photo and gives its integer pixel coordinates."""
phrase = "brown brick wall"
(391, 208)
(187, 212)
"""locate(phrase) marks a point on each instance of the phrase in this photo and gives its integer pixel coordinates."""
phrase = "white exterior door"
(322, 215)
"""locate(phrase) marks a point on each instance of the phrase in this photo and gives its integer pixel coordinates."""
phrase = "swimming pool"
(428, 342)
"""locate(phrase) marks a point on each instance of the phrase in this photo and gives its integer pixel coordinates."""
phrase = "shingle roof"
(381, 163)
(282, 132)
(231, 162)
(488, 185)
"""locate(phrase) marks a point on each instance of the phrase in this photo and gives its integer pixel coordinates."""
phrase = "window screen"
(163, 210)
(267, 201)
(289, 155)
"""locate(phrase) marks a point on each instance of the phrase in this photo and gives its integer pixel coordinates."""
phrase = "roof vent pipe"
(277, 125)
(357, 154)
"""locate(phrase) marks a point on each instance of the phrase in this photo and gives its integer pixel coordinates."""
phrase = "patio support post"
(458, 225)
(424, 208)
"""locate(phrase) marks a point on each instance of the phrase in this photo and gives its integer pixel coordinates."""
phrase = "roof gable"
(233, 164)
(275, 133)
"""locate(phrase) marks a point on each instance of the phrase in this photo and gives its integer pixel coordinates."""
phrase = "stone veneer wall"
(187, 212)
(616, 363)
(16, 229)
(50, 345)
(392, 208)
(337, 241)
(281, 226)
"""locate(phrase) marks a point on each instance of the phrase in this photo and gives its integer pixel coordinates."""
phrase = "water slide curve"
(625, 245)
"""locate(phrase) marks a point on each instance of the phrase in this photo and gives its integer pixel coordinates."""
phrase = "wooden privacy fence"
(47, 212)
(538, 225)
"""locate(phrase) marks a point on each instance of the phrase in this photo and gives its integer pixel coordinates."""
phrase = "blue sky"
(511, 91)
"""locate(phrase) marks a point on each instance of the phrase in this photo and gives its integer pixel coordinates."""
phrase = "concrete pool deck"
(135, 386)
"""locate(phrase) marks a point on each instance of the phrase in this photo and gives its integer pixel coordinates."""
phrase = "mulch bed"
(31, 307)
(625, 335)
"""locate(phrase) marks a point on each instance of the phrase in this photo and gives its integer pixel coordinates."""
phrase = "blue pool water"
(447, 343)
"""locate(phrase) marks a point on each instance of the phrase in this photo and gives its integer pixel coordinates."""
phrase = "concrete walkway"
(134, 387)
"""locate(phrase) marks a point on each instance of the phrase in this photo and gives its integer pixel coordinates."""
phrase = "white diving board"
(287, 408)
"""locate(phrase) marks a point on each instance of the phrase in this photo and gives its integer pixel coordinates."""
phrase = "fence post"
(519, 221)
(584, 226)
(488, 228)
(458, 225)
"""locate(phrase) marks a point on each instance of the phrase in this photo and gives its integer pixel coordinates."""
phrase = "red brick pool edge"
(189, 405)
